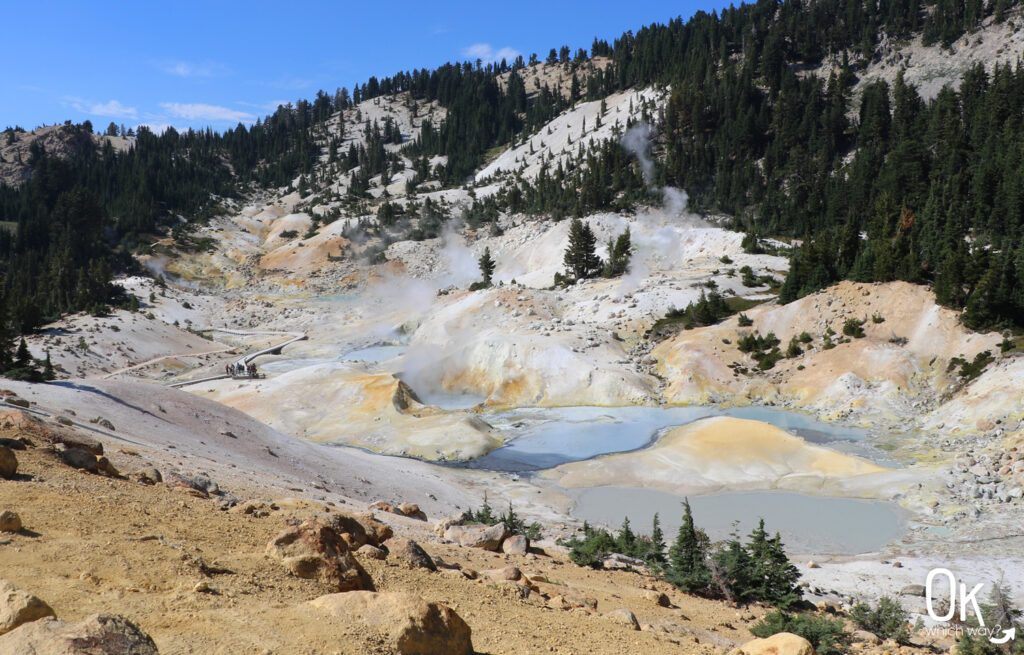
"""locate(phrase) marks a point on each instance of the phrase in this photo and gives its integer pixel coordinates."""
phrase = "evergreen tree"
(581, 260)
(48, 373)
(486, 266)
(657, 552)
(687, 568)
(618, 255)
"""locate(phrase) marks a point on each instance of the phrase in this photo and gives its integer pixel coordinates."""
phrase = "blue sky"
(213, 63)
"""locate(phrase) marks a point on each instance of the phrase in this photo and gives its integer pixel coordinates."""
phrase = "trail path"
(245, 359)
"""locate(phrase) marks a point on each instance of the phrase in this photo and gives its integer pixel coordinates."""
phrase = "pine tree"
(618, 255)
(48, 373)
(487, 266)
(581, 260)
(686, 558)
(657, 552)
(23, 358)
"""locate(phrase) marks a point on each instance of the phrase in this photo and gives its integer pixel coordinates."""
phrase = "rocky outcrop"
(99, 634)
(409, 624)
(783, 643)
(411, 554)
(410, 510)
(478, 536)
(313, 550)
(8, 463)
(18, 607)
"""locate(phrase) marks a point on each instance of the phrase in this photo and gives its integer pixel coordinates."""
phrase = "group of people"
(236, 370)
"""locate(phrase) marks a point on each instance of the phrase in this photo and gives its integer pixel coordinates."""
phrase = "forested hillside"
(761, 123)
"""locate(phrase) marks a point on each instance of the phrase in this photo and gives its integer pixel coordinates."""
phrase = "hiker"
(227, 369)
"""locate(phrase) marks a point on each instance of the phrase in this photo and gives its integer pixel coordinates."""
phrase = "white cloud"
(487, 54)
(202, 112)
(112, 108)
(188, 69)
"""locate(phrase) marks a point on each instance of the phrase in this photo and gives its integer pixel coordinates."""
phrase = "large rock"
(9, 521)
(99, 634)
(409, 624)
(80, 459)
(478, 536)
(913, 590)
(783, 643)
(314, 550)
(442, 526)
(410, 553)
(517, 544)
(18, 607)
(362, 526)
(8, 463)
(625, 617)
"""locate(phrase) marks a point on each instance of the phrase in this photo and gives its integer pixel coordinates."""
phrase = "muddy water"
(543, 438)
(808, 524)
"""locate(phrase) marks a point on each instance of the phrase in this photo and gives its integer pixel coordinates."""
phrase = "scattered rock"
(783, 643)
(478, 536)
(14, 400)
(657, 597)
(409, 624)
(865, 637)
(80, 459)
(9, 521)
(913, 590)
(148, 476)
(813, 565)
(508, 573)
(517, 544)
(410, 552)
(314, 550)
(180, 482)
(362, 527)
(8, 463)
(625, 617)
(442, 526)
(201, 587)
(371, 552)
(412, 510)
(99, 634)
(18, 607)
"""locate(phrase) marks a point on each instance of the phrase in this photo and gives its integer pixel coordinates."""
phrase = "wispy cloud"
(203, 112)
(486, 53)
(113, 108)
(191, 69)
(271, 105)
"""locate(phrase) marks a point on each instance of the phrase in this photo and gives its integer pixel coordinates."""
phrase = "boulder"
(657, 597)
(913, 590)
(179, 482)
(783, 643)
(625, 617)
(408, 624)
(8, 463)
(99, 634)
(362, 526)
(19, 402)
(442, 526)
(517, 544)
(18, 607)
(508, 573)
(313, 550)
(412, 510)
(79, 459)
(410, 553)
(865, 637)
(148, 476)
(478, 536)
(9, 521)
(371, 552)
